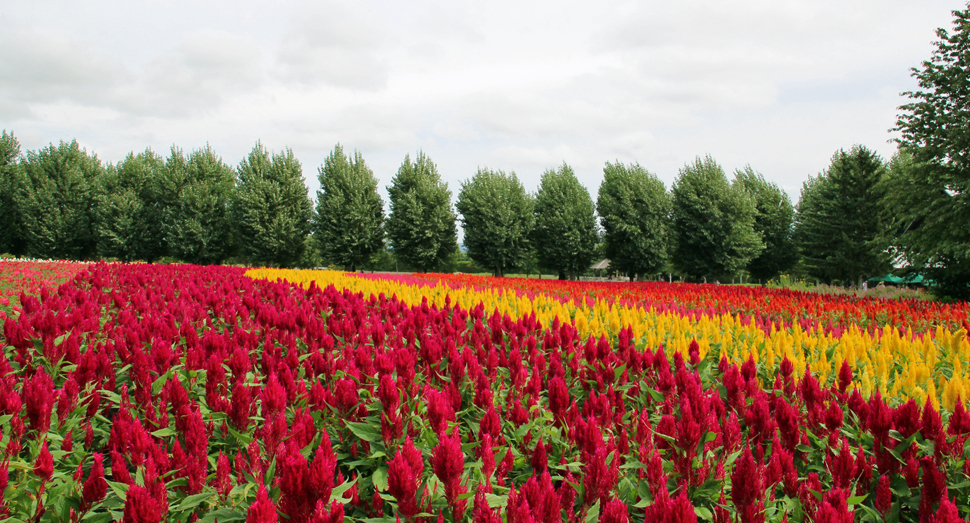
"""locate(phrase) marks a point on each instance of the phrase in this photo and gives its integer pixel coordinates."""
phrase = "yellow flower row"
(902, 365)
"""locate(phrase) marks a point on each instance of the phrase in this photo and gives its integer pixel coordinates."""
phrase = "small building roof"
(601, 265)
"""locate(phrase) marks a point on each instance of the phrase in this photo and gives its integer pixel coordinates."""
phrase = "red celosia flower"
(95, 487)
(746, 490)
(223, 481)
(615, 512)
(262, 510)
(448, 463)
(273, 397)
(38, 397)
(140, 507)
(884, 496)
(44, 466)
(403, 475)
(345, 395)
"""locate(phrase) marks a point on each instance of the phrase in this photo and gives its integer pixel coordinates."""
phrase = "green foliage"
(128, 213)
(197, 193)
(421, 225)
(840, 230)
(497, 217)
(713, 226)
(349, 219)
(57, 200)
(11, 180)
(930, 193)
(565, 231)
(774, 223)
(271, 208)
(634, 209)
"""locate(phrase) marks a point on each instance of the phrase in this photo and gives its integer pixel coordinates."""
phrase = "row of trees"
(61, 202)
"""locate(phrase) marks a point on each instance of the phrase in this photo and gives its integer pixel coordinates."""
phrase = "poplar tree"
(774, 223)
(634, 210)
(348, 223)
(497, 219)
(11, 224)
(128, 210)
(713, 225)
(421, 224)
(565, 233)
(197, 193)
(57, 201)
(271, 208)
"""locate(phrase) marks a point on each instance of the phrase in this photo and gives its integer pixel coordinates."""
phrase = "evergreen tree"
(840, 228)
(497, 218)
(57, 200)
(421, 225)
(713, 225)
(565, 233)
(930, 191)
(11, 224)
(128, 214)
(271, 208)
(197, 194)
(774, 222)
(634, 209)
(349, 219)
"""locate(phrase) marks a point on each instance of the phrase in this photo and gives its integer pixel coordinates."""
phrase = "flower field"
(30, 277)
(148, 393)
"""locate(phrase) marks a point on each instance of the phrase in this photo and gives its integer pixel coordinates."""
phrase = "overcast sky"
(519, 86)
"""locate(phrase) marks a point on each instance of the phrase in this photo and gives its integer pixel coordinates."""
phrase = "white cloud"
(515, 86)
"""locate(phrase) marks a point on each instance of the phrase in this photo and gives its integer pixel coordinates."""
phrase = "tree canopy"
(565, 232)
(11, 226)
(198, 189)
(840, 227)
(930, 190)
(713, 225)
(421, 224)
(497, 219)
(56, 201)
(634, 209)
(128, 214)
(774, 223)
(349, 219)
(271, 208)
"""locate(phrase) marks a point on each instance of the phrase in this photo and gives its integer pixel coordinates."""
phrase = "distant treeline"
(63, 202)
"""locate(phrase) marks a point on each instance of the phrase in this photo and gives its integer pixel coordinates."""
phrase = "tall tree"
(128, 214)
(565, 233)
(271, 208)
(774, 222)
(931, 195)
(11, 224)
(497, 218)
(349, 219)
(713, 225)
(421, 225)
(197, 190)
(634, 210)
(840, 227)
(57, 201)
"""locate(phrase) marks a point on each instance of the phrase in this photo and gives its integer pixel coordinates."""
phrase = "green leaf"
(364, 431)
(164, 432)
(380, 478)
(593, 514)
(704, 513)
(339, 490)
(120, 489)
(855, 500)
(194, 500)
